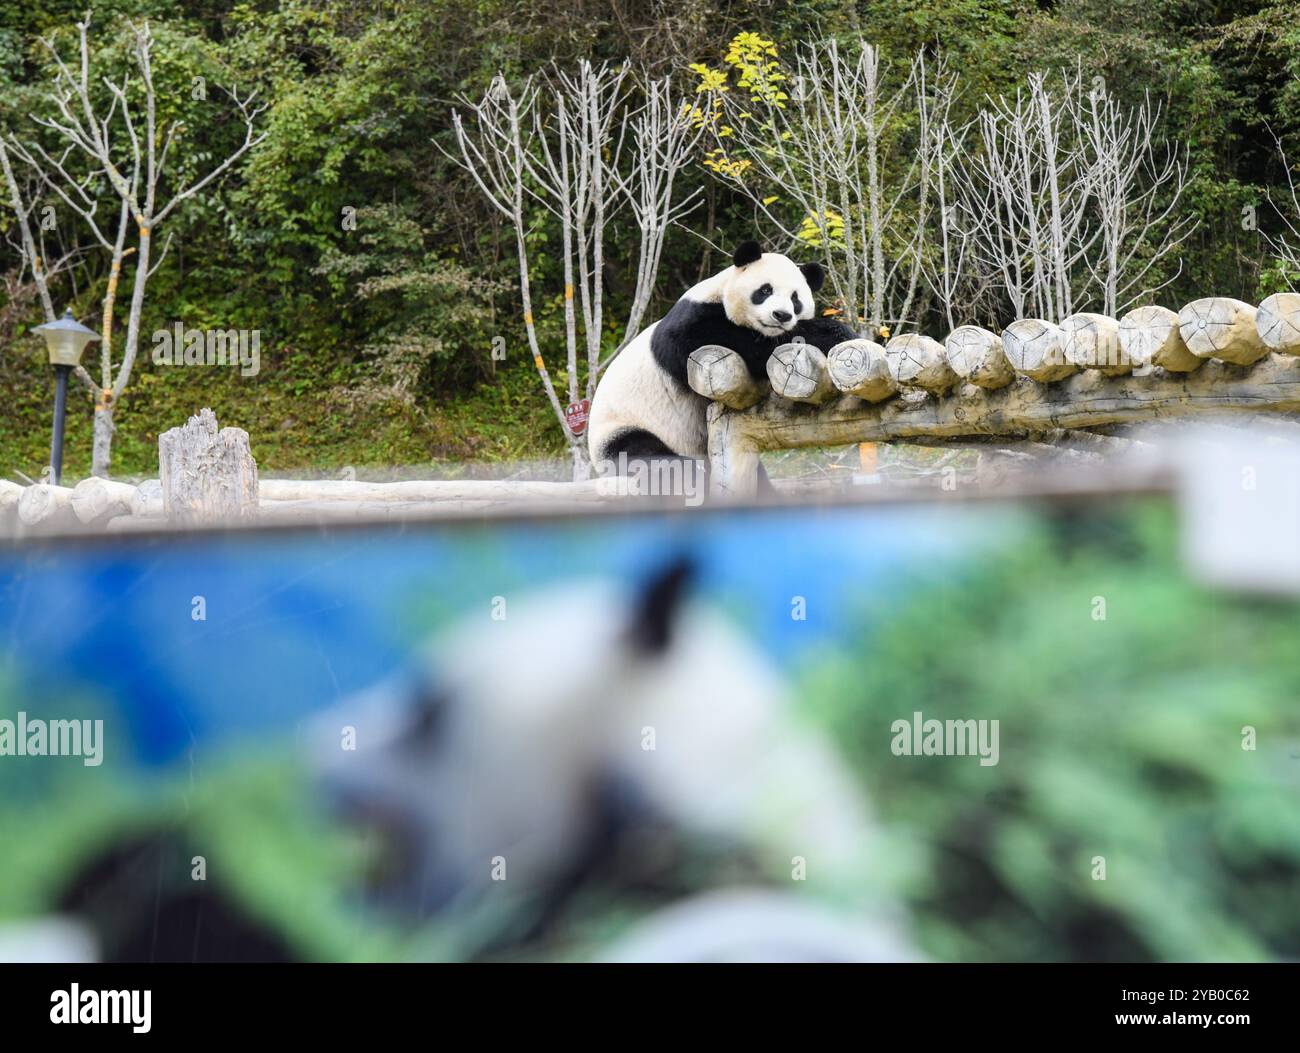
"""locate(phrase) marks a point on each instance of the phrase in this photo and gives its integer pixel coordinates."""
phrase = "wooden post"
(733, 459)
(207, 474)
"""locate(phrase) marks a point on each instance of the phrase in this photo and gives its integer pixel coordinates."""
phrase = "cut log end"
(1223, 328)
(1150, 336)
(918, 361)
(977, 356)
(43, 506)
(1091, 341)
(720, 375)
(799, 371)
(1278, 323)
(860, 368)
(1034, 349)
(95, 500)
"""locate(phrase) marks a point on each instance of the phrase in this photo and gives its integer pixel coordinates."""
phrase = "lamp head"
(66, 339)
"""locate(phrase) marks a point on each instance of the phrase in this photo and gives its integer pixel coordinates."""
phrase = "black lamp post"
(66, 339)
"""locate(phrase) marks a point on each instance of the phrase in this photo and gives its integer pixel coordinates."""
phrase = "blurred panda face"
(484, 750)
(770, 296)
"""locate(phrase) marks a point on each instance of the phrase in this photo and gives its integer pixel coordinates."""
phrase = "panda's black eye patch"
(760, 294)
(796, 303)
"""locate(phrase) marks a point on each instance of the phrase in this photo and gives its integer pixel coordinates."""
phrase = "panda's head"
(767, 292)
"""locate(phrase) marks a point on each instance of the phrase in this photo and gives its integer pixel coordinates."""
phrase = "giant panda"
(644, 410)
(488, 750)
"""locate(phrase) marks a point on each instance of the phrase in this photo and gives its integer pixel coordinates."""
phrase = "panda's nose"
(782, 316)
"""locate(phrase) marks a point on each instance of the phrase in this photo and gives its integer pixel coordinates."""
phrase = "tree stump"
(207, 474)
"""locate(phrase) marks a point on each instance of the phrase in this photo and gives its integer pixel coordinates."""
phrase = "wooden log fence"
(1216, 355)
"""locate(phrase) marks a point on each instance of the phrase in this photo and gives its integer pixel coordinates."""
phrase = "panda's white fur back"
(635, 393)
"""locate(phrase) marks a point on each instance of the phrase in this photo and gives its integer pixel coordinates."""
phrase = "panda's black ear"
(813, 275)
(749, 252)
(658, 605)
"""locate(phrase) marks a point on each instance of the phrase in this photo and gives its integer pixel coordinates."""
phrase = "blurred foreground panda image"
(608, 771)
(663, 759)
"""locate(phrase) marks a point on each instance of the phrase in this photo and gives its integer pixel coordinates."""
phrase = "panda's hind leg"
(638, 453)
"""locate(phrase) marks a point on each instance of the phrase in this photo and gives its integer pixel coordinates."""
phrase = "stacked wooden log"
(1088, 370)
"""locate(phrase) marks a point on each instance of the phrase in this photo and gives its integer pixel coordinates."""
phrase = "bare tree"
(1070, 198)
(1027, 196)
(578, 158)
(559, 141)
(1286, 244)
(133, 167)
(665, 137)
(1137, 185)
(952, 270)
(34, 256)
(857, 155)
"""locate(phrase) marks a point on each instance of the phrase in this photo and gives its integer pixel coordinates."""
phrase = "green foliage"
(1119, 738)
(416, 297)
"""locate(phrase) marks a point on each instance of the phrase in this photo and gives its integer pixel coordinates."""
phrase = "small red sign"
(575, 414)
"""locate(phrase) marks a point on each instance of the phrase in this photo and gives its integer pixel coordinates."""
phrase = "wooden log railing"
(1216, 355)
